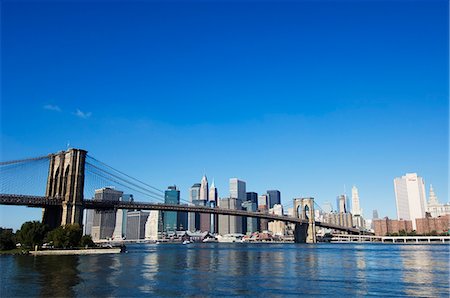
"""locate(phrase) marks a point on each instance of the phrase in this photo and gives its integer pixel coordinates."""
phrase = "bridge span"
(43, 202)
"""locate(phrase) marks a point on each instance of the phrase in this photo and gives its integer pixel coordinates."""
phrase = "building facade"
(136, 221)
(434, 208)
(410, 197)
(104, 221)
(385, 226)
(274, 197)
(171, 196)
(229, 224)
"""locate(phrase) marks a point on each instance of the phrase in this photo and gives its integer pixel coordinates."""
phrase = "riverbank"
(92, 251)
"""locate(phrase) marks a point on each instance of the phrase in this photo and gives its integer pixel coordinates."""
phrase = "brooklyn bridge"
(63, 183)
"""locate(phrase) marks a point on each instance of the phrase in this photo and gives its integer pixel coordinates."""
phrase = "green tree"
(7, 239)
(32, 233)
(65, 236)
(86, 240)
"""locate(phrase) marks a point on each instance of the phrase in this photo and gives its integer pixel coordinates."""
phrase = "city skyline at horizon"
(266, 92)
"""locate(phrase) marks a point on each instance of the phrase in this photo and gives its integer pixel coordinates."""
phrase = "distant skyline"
(300, 96)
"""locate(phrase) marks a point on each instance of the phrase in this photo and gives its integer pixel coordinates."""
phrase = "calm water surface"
(235, 270)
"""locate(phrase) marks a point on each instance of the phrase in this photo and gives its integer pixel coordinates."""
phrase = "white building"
(358, 220)
(277, 227)
(410, 197)
(152, 225)
(237, 189)
(204, 189)
(433, 206)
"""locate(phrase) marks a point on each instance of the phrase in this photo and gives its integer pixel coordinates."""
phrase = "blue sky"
(301, 96)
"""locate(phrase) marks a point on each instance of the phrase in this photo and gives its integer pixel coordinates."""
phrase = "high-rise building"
(153, 226)
(434, 207)
(277, 227)
(171, 196)
(213, 196)
(229, 224)
(237, 189)
(136, 221)
(204, 189)
(104, 221)
(356, 209)
(121, 219)
(341, 204)
(263, 202)
(252, 197)
(410, 197)
(194, 218)
(274, 197)
(252, 223)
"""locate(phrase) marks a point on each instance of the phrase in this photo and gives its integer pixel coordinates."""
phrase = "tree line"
(34, 233)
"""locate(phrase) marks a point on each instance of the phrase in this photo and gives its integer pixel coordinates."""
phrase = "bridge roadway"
(42, 202)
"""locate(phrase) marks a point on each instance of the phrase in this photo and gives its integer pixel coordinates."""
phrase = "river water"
(339, 270)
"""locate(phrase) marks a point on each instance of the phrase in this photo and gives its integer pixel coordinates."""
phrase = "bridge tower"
(304, 209)
(65, 181)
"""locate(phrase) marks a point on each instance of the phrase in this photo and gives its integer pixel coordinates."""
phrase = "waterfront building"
(194, 218)
(277, 227)
(182, 220)
(385, 226)
(203, 195)
(252, 197)
(252, 223)
(229, 224)
(136, 221)
(153, 226)
(436, 225)
(121, 219)
(171, 196)
(104, 221)
(410, 197)
(88, 221)
(434, 207)
(274, 197)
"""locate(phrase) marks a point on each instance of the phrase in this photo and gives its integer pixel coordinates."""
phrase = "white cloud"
(52, 108)
(82, 114)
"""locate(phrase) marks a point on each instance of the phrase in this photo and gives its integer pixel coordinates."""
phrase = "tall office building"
(88, 221)
(356, 209)
(204, 189)
(194, 197)
(277, 227)
(171, 196)
(153, 226)
(252, 197)
(213, 196)
(104, 221)
(251, 222)
(263, 202)
(274, 197)
(375, 214)
(410, 197)
(136, 221)
(341, 204)
(229, 224)
(237, 189)
(121, 219)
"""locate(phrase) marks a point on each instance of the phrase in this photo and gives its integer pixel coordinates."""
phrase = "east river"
(222, 269)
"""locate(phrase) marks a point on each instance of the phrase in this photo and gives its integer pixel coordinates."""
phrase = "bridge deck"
(39, 201)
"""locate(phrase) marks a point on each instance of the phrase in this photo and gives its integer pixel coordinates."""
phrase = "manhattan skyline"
(265, 92)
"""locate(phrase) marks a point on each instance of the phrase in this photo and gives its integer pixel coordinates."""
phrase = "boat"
(186, 242)
(230, 238)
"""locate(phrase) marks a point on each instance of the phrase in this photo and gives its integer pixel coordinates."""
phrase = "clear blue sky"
(300, 96)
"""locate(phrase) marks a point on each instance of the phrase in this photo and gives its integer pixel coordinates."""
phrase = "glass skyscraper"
(171, 196)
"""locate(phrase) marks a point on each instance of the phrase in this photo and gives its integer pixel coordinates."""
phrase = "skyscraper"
(410, 197)
(120, 230)
(375, 214)
(104, 221)
(237, 189)
(171, 196)
(341, 204)
(274, 197)
(252, 197)
(213, 196)
(136, 224)
(153, 226)
(194, 197)
(356, 210)
(251, 222)
(204, 189)
(213, 200)
(434, 207)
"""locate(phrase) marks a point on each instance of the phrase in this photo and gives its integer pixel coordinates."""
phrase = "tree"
(86, 240)
(65, 236)
(32, 233)
(7, 239)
